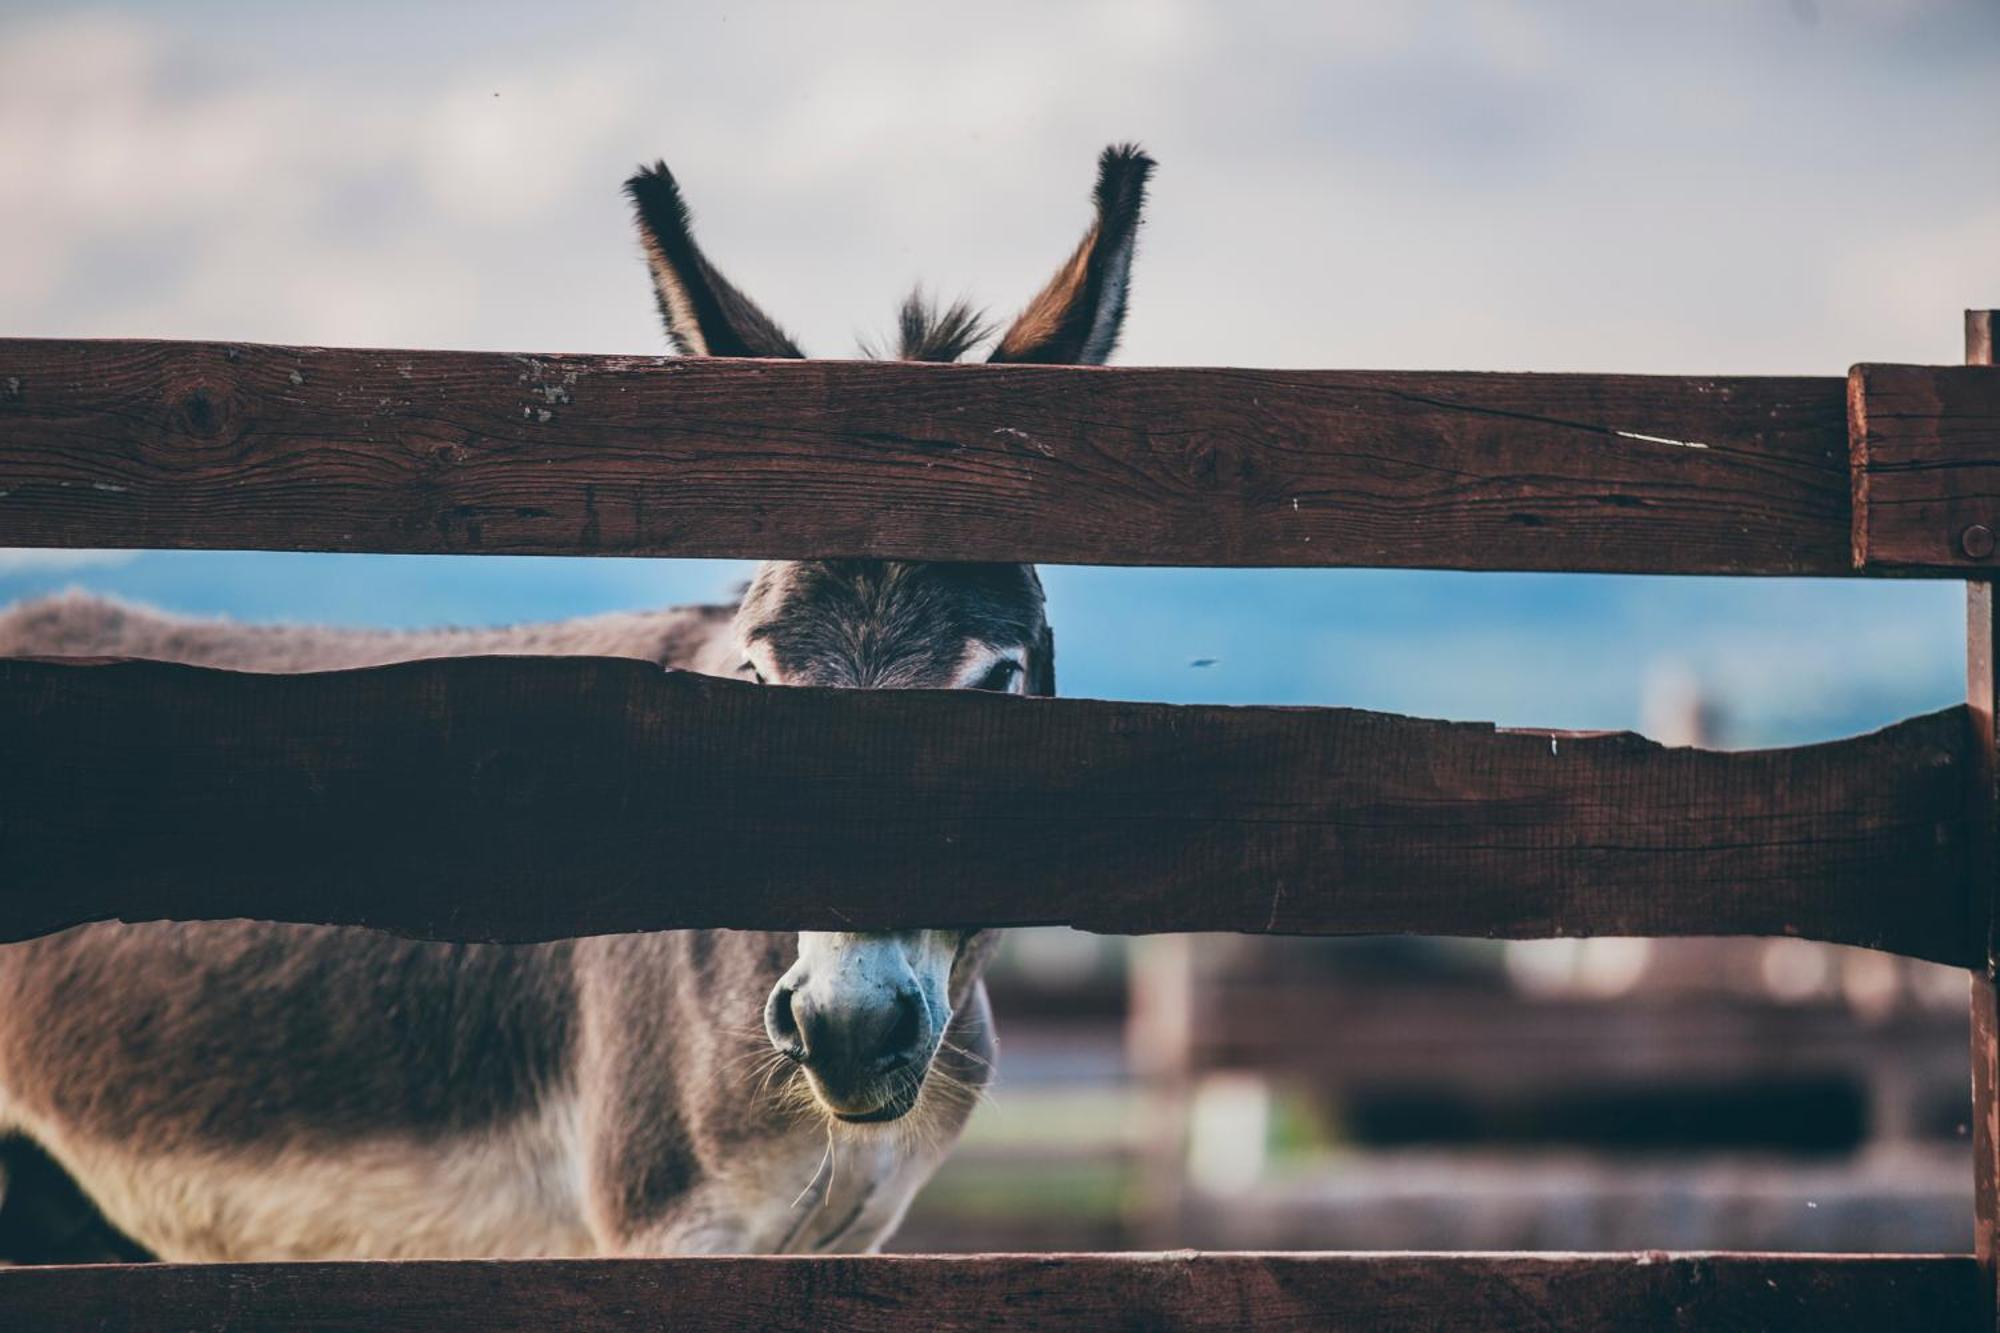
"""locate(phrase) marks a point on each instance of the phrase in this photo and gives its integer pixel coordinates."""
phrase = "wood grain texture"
(880, 1294)
(154, 444)
(1983, 829)
(1926, 454)
(530, 798)
(1982, 699)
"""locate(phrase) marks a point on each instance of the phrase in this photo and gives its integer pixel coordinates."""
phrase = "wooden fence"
(531, 798)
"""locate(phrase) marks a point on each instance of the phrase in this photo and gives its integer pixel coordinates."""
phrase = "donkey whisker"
(965, 1054)
(825, 1163)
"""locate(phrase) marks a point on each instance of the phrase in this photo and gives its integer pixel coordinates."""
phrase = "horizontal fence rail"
(1388, 1292)
(159, 444)
(1926, 457)
(532, 798)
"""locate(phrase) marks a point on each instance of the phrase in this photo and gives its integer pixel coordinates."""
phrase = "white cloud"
(1496, 185)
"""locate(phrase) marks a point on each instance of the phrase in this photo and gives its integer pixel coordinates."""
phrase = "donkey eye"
(999, 678)
(755, 674)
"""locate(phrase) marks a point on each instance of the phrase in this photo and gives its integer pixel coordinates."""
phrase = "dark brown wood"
(1983, 828)
(151, 444)
(1926, 452)
(524, 798)
(1982, 695)
(1187, 1290)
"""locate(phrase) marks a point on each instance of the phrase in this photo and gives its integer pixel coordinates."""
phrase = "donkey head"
(863, 1013)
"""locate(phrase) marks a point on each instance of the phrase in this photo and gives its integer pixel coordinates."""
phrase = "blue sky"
(1785, 661)
(1757, 187)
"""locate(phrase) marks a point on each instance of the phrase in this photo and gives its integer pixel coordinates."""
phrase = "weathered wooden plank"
(1636, 1292)
(1983, 847)
(152, 444)
(523, 798)
(1982, 698)
(1926, 453)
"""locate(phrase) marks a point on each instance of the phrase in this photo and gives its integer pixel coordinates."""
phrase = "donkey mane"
(924, 332)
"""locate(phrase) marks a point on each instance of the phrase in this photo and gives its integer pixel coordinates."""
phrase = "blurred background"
(1771, 186)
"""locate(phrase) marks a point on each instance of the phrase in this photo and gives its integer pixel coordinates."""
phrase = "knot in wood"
(1224, 462)
(1976, 541)
(201, 415)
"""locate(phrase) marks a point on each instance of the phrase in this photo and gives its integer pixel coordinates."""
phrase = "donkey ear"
(1042, 665)
(704, 314)
(1076, 319)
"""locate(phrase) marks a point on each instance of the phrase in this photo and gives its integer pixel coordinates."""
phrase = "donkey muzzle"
(862, 1029)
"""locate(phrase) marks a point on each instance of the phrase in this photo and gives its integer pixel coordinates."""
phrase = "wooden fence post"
(1159, 1044)
(1981, 685)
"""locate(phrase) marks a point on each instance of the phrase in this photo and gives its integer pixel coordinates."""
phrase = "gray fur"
(886, 624)
(76, 624)
(276, 1070)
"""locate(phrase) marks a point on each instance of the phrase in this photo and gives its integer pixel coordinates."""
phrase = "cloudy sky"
(1763, 186)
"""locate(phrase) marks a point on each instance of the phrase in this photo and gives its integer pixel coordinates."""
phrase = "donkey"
(242, 1090)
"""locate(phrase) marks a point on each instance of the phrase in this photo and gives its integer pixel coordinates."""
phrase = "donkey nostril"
(905, 1035)
(781, 1023)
